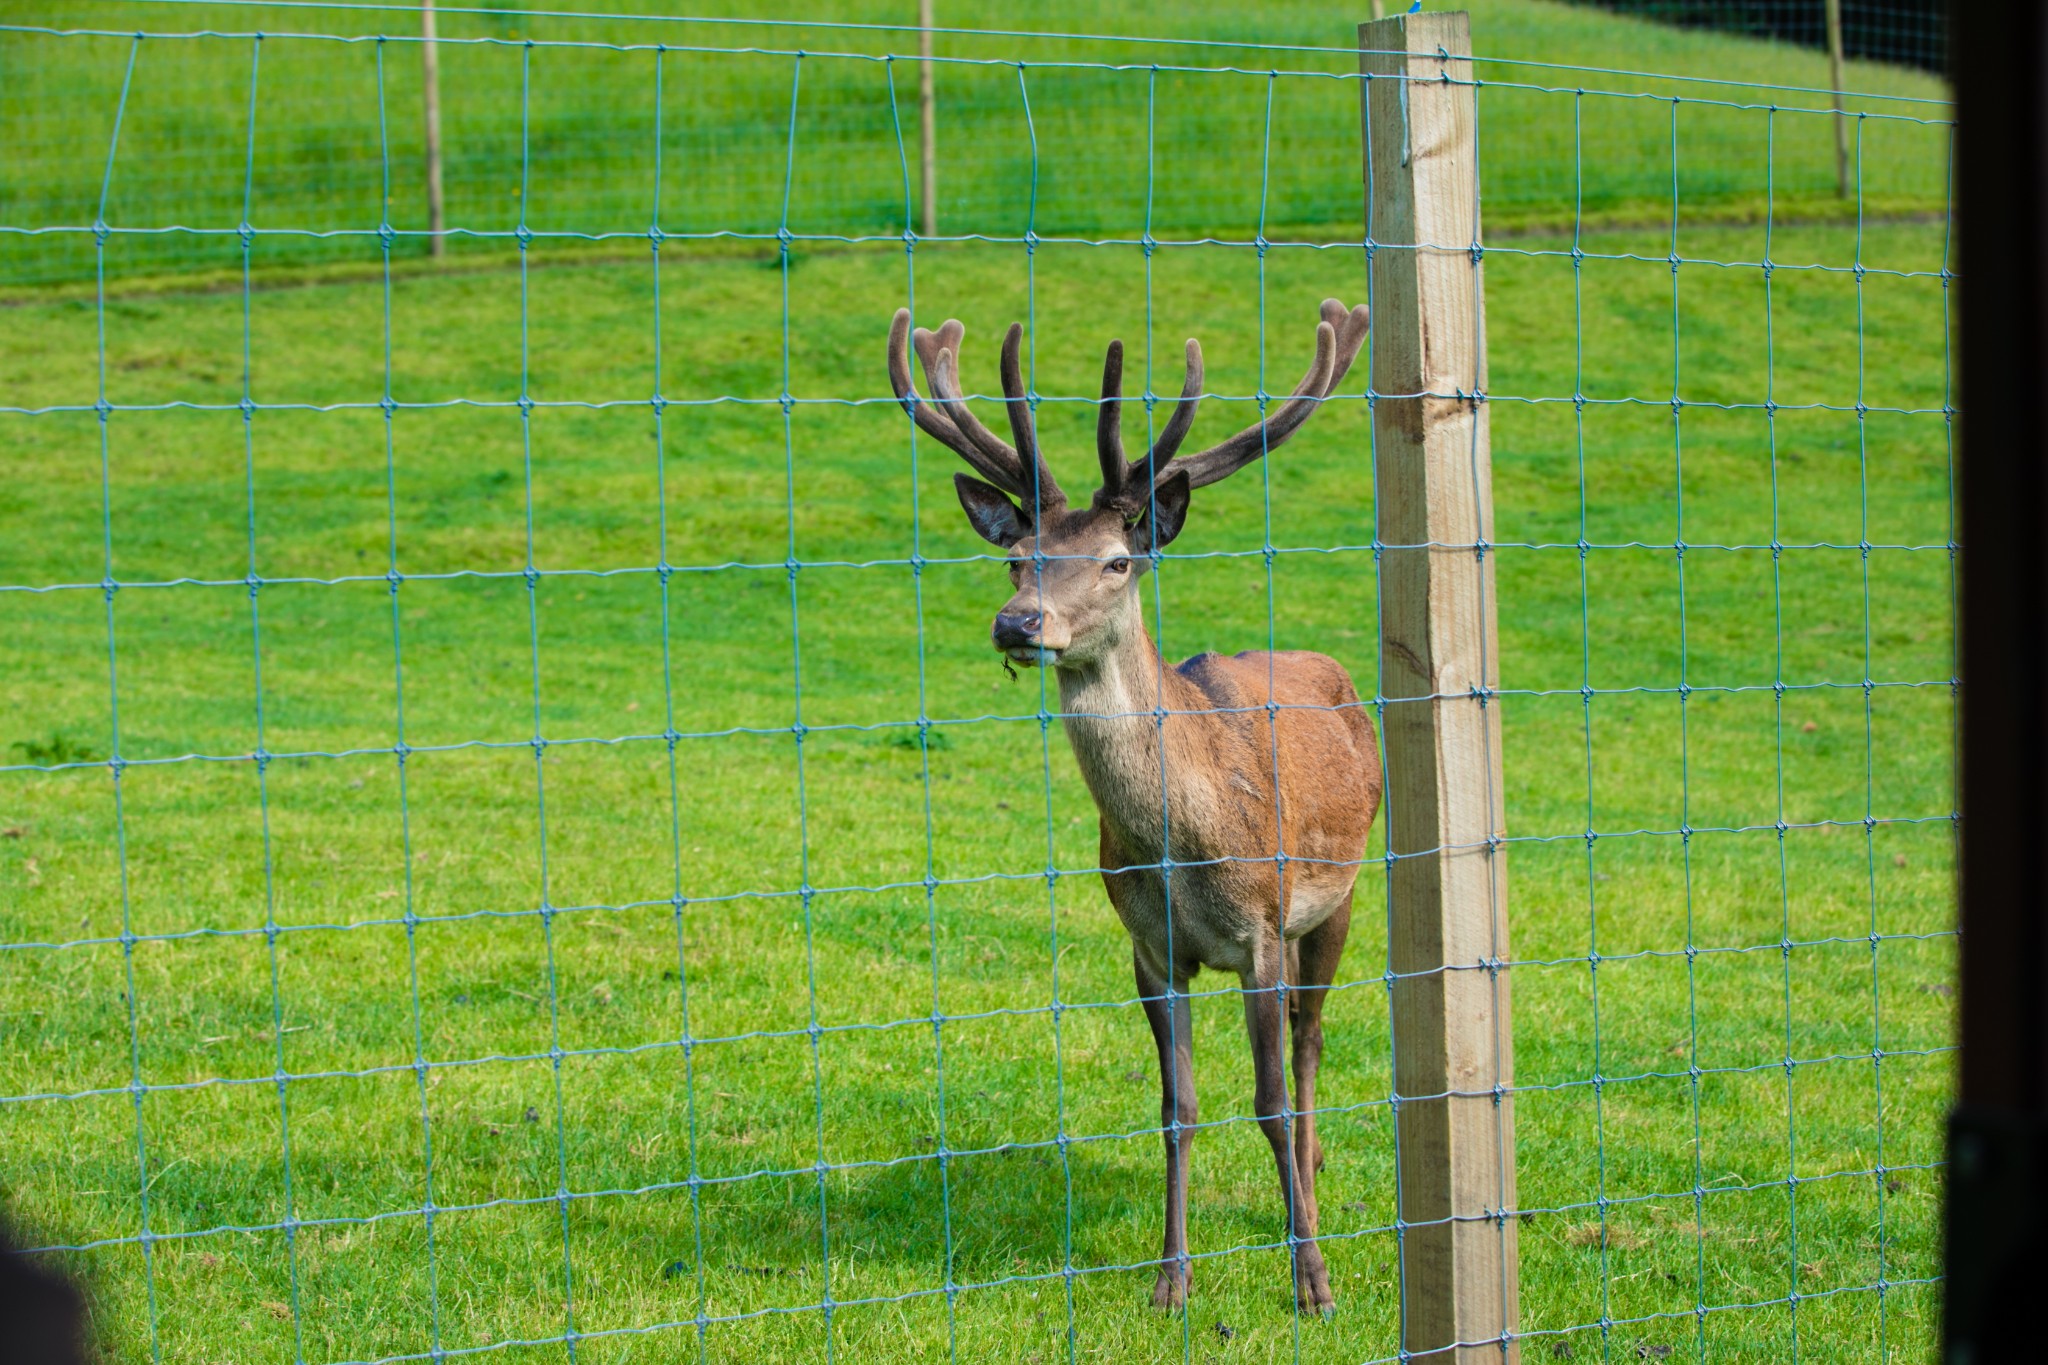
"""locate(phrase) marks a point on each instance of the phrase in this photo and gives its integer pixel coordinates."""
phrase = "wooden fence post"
(927, 142)
(1834, 18)
(430, 108)
(1439, 671)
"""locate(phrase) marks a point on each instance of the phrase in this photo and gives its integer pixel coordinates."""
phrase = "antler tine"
(1109, 423)
(928, 418)
(945, 382)
(1335, 350)
(930, 415)
(1222, 460)
(946, 341)
(1139, 476)
(1022, 425)
(943, 370)
(940, 352)
(1351, 326)
(930, 343)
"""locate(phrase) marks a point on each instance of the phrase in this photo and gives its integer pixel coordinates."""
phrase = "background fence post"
(927, 149)
(1439, 671)
(1834, 11)
(430, 102)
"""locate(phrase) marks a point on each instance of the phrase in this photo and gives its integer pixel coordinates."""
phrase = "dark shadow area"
(42, 1313)
(1905, 32)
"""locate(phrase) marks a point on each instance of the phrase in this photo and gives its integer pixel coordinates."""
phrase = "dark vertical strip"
(1998, 1138)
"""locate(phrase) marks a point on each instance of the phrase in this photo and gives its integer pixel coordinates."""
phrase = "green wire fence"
(1908, 32)
(725, 121)
(1725, 557)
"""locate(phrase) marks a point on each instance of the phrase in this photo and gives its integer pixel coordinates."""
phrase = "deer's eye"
(1117, 566)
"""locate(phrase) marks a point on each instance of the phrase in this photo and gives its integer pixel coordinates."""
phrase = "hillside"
(1087, 137)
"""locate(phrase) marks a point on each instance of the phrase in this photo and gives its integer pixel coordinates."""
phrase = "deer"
(1234, 793)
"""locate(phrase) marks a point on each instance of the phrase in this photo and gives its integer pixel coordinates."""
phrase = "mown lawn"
(408, 896)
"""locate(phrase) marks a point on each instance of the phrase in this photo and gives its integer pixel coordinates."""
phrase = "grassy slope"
(839, 491)
(878, 646)
(320, 158)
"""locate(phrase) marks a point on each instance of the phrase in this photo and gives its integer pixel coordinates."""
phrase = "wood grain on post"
(1439, 671)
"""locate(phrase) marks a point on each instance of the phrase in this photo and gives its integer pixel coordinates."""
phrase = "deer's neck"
(1112, 703)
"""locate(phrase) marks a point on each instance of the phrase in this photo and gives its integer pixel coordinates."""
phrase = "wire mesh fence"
(725, 121)
(515, 841)
(1907, 32)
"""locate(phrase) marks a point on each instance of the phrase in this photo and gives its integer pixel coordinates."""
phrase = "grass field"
(1223, 146)
(407, 895)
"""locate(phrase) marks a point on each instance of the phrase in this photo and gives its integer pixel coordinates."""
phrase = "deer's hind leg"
(1173, 1032)
(1265, 1020)
(1311, 967)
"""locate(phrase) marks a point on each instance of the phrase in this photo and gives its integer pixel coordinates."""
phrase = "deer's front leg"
(1173, 1033)
(1265, 1021)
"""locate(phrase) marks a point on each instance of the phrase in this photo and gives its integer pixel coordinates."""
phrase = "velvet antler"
(1128, 486)
(1020, 470)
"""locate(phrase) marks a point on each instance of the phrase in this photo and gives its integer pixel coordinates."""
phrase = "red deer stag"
(1234, 793)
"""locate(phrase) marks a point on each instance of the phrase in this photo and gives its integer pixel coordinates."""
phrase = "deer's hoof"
(1170, 1290)
(1312, 1293)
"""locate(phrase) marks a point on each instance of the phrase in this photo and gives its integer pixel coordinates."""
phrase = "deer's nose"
(1016, 629)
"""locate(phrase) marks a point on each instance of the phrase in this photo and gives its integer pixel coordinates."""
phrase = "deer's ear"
(1164, 515)
(994, 517)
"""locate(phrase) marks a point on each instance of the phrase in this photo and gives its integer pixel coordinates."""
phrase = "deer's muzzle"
(1017, 630)
(1020, 634)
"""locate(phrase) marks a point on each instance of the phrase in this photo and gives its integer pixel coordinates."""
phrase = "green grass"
(325, 840)
(1116, 151)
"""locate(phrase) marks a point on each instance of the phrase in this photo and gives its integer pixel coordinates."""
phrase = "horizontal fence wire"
(1784, 1167)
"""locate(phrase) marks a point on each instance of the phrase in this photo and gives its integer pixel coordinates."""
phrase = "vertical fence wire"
(960, 1278)
(924, 755)
(1686, 849)
(798, 730)
(1281, 985)
(388, 404)
(556, 1055)
(1678, 558)
(1600, 1205)
(109, 585)
(1484, 695)
(262, 754)
(665, 574)
(1870, 758)
(1171, 1125)
(1369, 132)
(1783, 827)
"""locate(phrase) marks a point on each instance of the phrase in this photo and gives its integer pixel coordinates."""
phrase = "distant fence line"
(1905, 32)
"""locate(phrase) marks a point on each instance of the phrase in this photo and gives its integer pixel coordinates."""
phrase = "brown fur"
(1234, 793)
(1240, 785)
